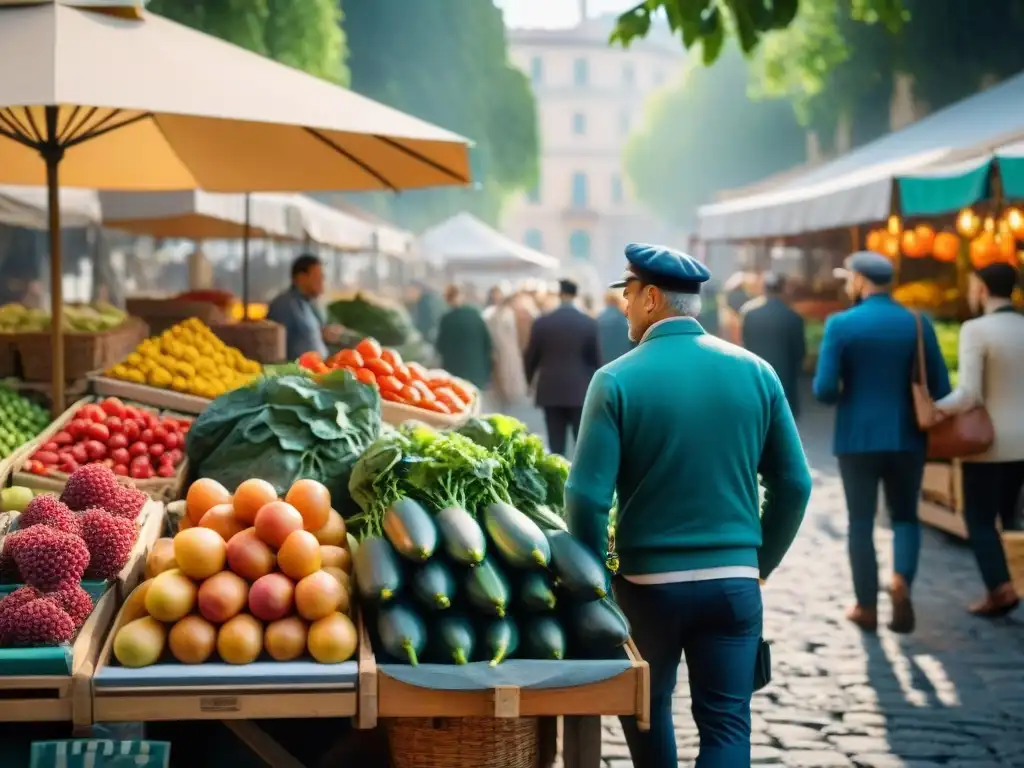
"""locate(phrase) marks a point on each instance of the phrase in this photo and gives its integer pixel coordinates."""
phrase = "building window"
(537, 70)
(533, 194)
(534, 239)
(579, 245)
(625, 119)
(580, 72)
(617, 195)
(579, 190)
(579, 123)
(628, 74)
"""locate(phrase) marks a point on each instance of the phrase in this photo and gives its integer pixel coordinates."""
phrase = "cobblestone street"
(952, 694)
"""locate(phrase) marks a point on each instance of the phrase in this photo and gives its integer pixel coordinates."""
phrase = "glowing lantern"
(1005, 248)
(983, 250)
(894, 225)
(875, 240)
(911, 244)
(926, 236)
(968, 224)
(891, 246)
(946, 247)
(1014, 219)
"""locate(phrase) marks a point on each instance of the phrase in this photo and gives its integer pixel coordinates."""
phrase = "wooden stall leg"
(262, 745)
(547, 742)
(581, 742)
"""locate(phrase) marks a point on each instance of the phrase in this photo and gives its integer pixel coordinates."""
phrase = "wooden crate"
(941, 504)
(261, 340)
(149, 396)
(381, 696)
(261, 701)
(62, 698)
(84, 353)
(162, 313)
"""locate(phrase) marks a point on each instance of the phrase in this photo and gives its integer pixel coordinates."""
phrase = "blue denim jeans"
(900, 474)
(716, 626)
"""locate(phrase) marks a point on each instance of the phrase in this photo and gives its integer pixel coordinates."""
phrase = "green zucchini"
(487, 588)
(463, 539)
(519, 540)
(454, 639)
(411, 530)
(599, 626)
(402, 634)
(543, 638)
(577, 569)
(433, 585)
(377, 570)
(501, 640)
(535, 592)
(546, 518)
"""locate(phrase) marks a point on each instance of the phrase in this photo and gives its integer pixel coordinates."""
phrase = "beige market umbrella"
(100, 94)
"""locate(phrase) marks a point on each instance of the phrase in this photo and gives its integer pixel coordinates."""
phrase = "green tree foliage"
(305, 34)
(447, 62)
(710, 22)
(705, 135)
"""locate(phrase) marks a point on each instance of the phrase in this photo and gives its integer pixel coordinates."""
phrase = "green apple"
(15, 498)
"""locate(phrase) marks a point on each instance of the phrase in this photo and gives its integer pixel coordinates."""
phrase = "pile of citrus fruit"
(188, 358)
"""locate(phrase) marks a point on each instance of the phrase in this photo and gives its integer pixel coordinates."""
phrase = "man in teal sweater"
(680, 428)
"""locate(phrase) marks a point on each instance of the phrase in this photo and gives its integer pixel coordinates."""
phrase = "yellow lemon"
(179, 384)
(159, 377)
(133, 359)
(136, 376)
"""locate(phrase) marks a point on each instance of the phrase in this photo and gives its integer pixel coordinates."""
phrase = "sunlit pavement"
(952, 694)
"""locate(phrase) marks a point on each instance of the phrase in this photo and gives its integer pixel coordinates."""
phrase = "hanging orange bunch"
(984, 250)
(926, 237)
(946, 247)
(876, 240)
(912, 245)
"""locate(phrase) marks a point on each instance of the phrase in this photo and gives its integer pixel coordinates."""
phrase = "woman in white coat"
(991, 373)
(509, 386)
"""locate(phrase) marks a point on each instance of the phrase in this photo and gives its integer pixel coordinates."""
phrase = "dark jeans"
(559, 420)
(716, 625)
(900, 475)
(991, 492)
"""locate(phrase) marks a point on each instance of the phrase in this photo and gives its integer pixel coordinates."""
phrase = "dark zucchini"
(535, 593)
(599, 626)
(411, 530)
(543, 638)
(501, 640)
(433, 585)
(454, 639)
(519, 540)
(402, 634)
(546, 518)
(487, 588)
(578, 570)
(377, 570)
(463, 539)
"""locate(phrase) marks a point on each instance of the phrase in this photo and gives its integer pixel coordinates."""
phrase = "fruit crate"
(164, 489)
(64, 695)
(163, 313)
(83, 352)
(148, 396)
(261, 340)
(396, 414)
(8, 354)
(263, 690)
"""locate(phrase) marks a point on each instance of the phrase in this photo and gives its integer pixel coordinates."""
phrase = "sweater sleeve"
(786, 480)
(969, 390)
(595, 466)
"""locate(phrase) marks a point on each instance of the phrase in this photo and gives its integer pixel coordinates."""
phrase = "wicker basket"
(161, 314)
(463, 742)
(260, 340)
(83, 352)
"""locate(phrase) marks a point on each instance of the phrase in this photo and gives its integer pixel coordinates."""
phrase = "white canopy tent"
(463, 243)
(26, 207)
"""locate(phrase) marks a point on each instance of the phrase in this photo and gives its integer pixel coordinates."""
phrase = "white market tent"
(857, 187)
(463, 243)
(26, 207)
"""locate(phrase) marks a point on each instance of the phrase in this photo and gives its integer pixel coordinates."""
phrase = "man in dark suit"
(562, 356)
(774, 332)
(866, 364)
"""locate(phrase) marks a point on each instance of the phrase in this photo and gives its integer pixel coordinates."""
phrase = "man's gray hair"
(684, 304)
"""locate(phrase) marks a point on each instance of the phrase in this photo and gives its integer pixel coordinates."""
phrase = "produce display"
(464, 554)
(398, 382)
(249, 576)
(389, 322)
(20, 421)
(188, 358)
(131, 441)
(86, 533)
(287, 427)
(84, 318)
(925, 294)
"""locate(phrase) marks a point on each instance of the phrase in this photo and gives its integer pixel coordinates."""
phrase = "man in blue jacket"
(680, 428)
(866, 364)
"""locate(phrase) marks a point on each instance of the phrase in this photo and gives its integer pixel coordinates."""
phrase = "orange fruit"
(250, 496)
(202, 496)
(313, 501)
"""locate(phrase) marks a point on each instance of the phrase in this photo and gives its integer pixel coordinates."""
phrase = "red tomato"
(412, 395)
(391, 356)
(309, 360)
(426, 393)
(380, 367)
(366, 376)
(394, 397)
(369, 348)
(417, 371)
(402, 373)
(347, 358)
(389, 384)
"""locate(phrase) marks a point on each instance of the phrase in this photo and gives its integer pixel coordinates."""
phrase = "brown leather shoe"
(865, 618)
(998, 603)
(903, 619)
